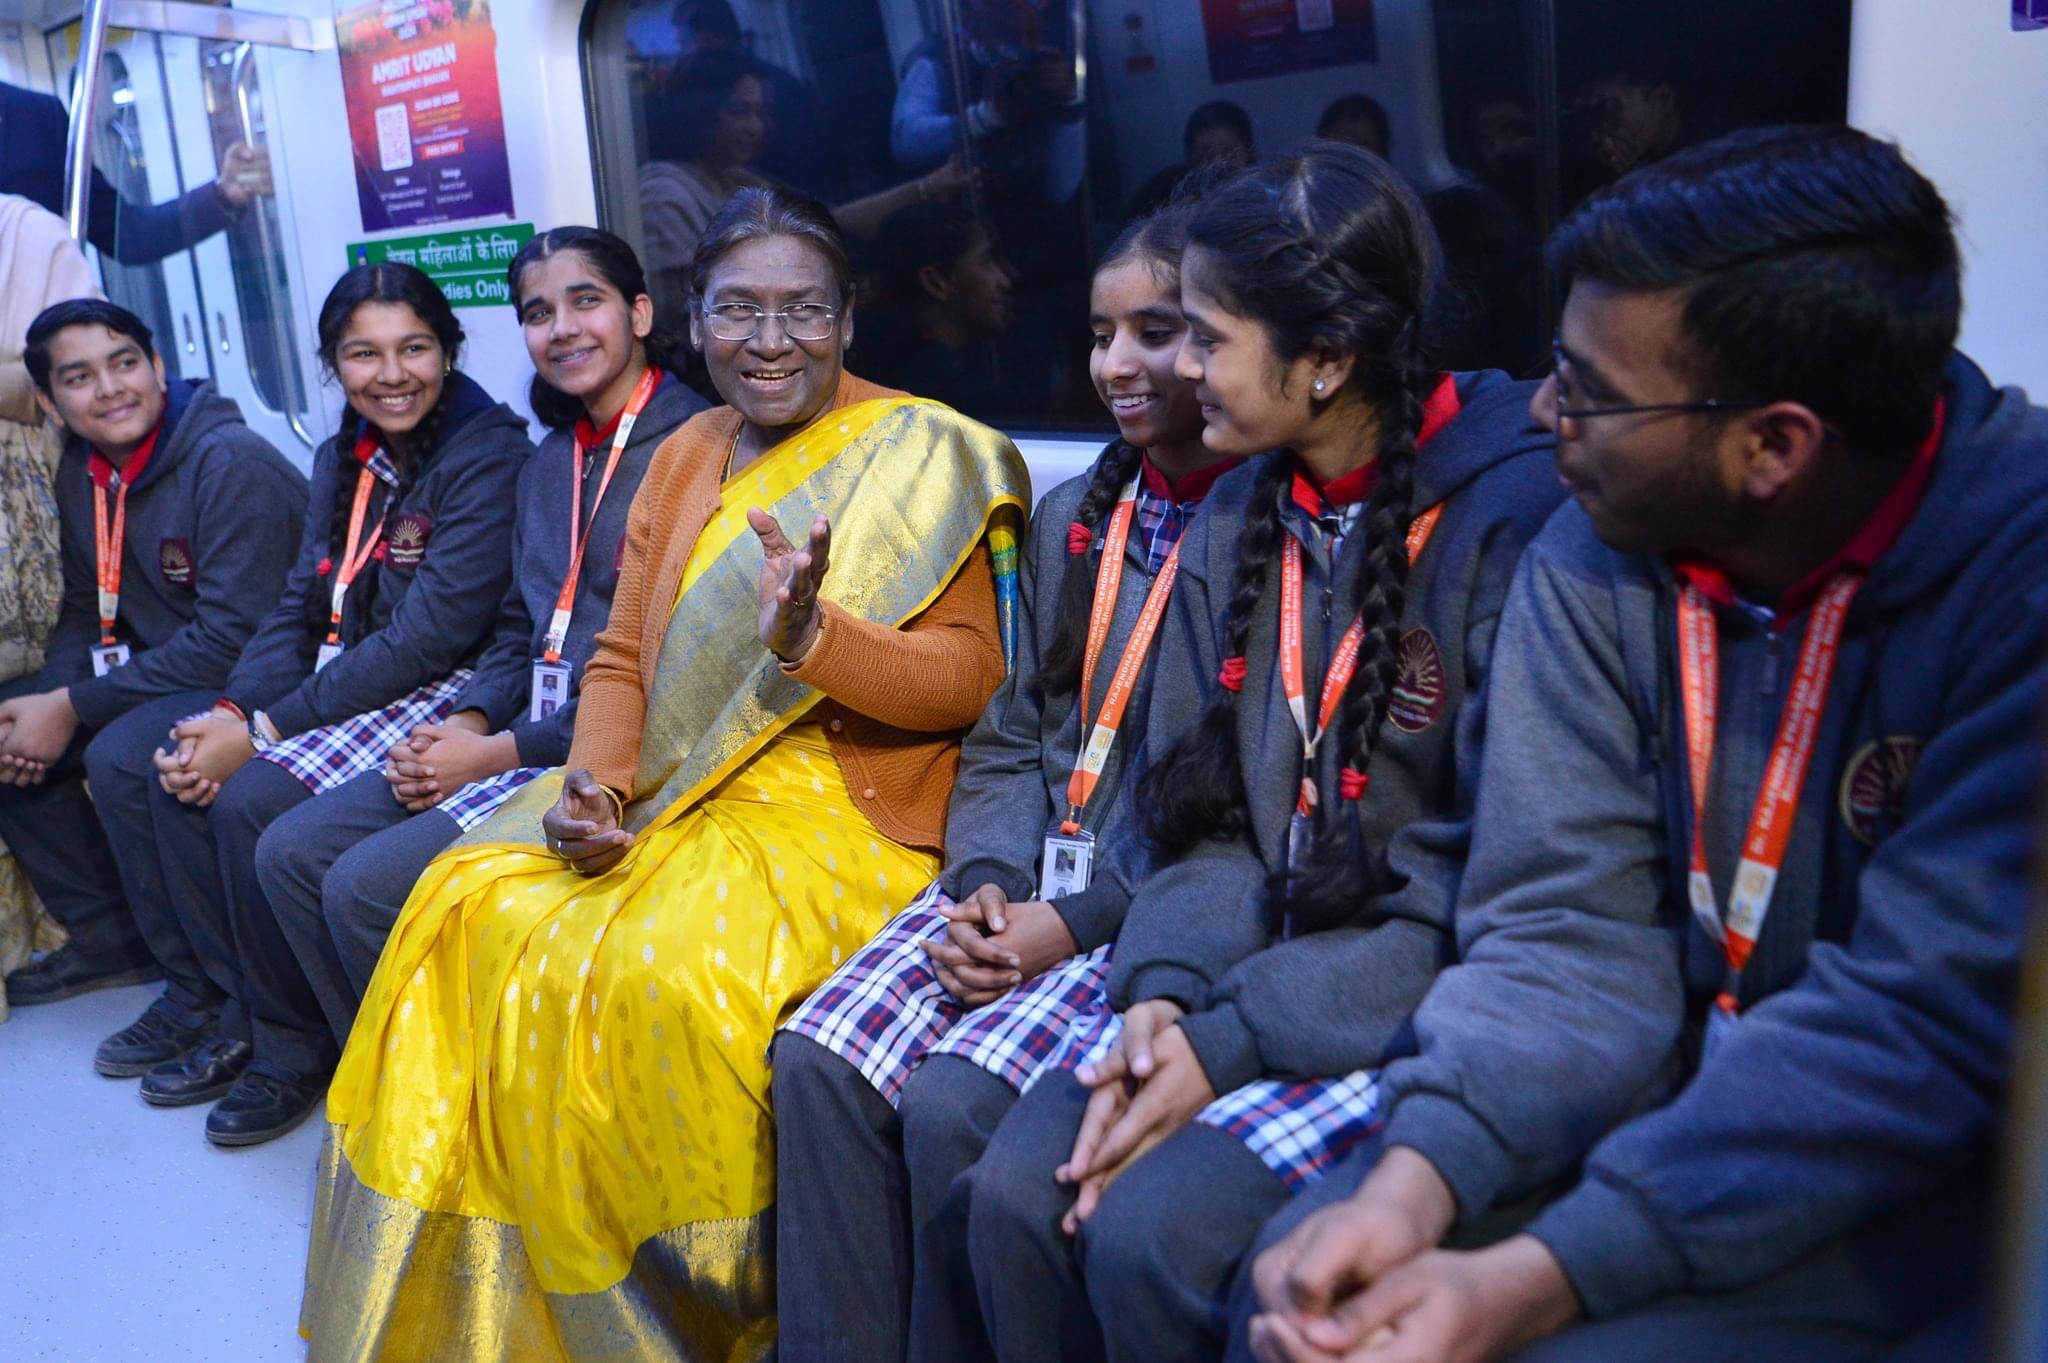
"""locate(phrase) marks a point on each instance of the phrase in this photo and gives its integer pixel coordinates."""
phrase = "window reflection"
(979, 152)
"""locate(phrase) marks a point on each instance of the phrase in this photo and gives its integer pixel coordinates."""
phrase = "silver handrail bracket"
(228, 25)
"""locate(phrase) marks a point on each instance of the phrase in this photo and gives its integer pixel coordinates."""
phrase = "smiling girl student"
(1337, 604)
(404, 561)
(976, 981)
(337, 869)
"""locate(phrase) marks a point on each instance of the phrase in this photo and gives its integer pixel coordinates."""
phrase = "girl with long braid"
(975, 983)
(1337, 601)
(406, 555)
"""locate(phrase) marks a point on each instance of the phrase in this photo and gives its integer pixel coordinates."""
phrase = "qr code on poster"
(394, 138)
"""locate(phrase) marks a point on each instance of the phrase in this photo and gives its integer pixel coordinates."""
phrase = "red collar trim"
(1190, 487)
(1439, 410)
(1876, 535)
(103, 468)
(591, 439)
(367, 444)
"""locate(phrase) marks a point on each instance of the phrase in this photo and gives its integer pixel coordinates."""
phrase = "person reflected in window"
(1360, 120)
(706, 133)
(1219, 134)
(1492, 313)
(948, 305)
(1020, 106)
(32, 146)
(792, 154)
(1623, 117)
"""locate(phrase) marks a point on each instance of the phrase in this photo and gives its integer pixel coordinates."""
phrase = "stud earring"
(1319, 385)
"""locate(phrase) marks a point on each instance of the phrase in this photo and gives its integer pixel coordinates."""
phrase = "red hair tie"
(326, 567)
(1079, 537)
(1351, 783)
(1232, 675)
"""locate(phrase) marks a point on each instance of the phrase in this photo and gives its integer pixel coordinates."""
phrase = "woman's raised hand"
(583, 827)
(790, 578)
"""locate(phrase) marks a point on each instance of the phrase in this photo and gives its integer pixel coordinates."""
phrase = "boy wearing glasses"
(1764, 703)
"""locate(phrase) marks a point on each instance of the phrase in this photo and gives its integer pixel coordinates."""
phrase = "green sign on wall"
(469, 264)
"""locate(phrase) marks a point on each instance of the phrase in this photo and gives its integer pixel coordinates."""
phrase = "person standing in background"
(32, 143)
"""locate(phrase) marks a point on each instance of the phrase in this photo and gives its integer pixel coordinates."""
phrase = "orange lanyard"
(1777, 803)
(107, 542)
(1095, 752)
(352, 562)
(565, 600)
(1343, 663)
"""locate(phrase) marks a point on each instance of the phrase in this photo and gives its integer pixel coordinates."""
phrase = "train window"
(211, 282)
(981, 152)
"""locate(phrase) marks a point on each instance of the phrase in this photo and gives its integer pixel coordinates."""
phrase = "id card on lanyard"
(1777, 804)
(1067, 860)
(1343, 665)
(548, 687)
(354, 555)
(110, 534)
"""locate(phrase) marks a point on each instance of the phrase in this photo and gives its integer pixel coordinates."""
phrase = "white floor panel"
(123, 1233)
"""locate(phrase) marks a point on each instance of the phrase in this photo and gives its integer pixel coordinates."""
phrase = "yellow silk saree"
(550, 1134)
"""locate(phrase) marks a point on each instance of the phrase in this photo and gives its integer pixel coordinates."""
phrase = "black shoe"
(67, 972)
(261, 1107)
(153, 1039)
(201, 1076)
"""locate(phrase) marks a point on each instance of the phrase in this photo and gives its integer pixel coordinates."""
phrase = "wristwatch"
(262, 733)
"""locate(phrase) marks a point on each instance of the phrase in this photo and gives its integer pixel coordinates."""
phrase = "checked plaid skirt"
(325, 757)
(884, 1011)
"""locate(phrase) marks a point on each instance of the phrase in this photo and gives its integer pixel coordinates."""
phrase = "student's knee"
(287, 862)
(123, 753)
(807, 1078)
(950, 1108)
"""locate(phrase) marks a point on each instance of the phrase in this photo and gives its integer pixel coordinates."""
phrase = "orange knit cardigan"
(896, 701)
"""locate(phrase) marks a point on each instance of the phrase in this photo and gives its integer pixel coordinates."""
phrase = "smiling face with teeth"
(391, 367)
(777, 384)
(1134, 316)
(104, 389)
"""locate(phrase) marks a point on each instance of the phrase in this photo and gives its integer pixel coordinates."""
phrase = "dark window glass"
(981, 152)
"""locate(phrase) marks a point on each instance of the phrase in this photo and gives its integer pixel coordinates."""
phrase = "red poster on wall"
(420, 78)
(1252, 38)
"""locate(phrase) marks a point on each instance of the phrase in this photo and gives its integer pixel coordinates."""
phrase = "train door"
(216, 276)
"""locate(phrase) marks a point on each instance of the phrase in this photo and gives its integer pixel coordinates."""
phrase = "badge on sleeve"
(107, 657)
(328, 653)
(1066, 864)
(548, 691)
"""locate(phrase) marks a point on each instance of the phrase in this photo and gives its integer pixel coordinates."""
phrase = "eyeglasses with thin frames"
(1560, 361)
(799, 321)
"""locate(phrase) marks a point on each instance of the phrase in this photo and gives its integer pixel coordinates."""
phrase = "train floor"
(123, 1233)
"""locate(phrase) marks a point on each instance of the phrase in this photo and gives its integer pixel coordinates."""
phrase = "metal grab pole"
(84, 96)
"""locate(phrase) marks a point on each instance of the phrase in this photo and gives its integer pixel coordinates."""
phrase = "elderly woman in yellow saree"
(550, 1136)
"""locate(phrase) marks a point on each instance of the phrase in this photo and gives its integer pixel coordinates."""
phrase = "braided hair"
(393, 283)
(1157, 239)
(1328, 249)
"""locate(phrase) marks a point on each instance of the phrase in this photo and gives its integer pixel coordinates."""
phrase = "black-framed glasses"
(800, 321)
(1559, 360)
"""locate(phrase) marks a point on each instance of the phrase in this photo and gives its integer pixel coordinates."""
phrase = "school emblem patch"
(1419, 688)
(1874, 787)
(174, 561)
(409, 534)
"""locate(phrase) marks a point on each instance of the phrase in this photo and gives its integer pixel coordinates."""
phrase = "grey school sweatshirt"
(1858, 1099)
(540, 555)
(423, 610)
(1015, 763)
(212, 521)
(1198, 930)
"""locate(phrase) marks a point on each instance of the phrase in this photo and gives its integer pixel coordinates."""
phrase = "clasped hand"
(991, 945)
(206, 750)
(1150, 1085)
(440, 759)
(34, 732)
